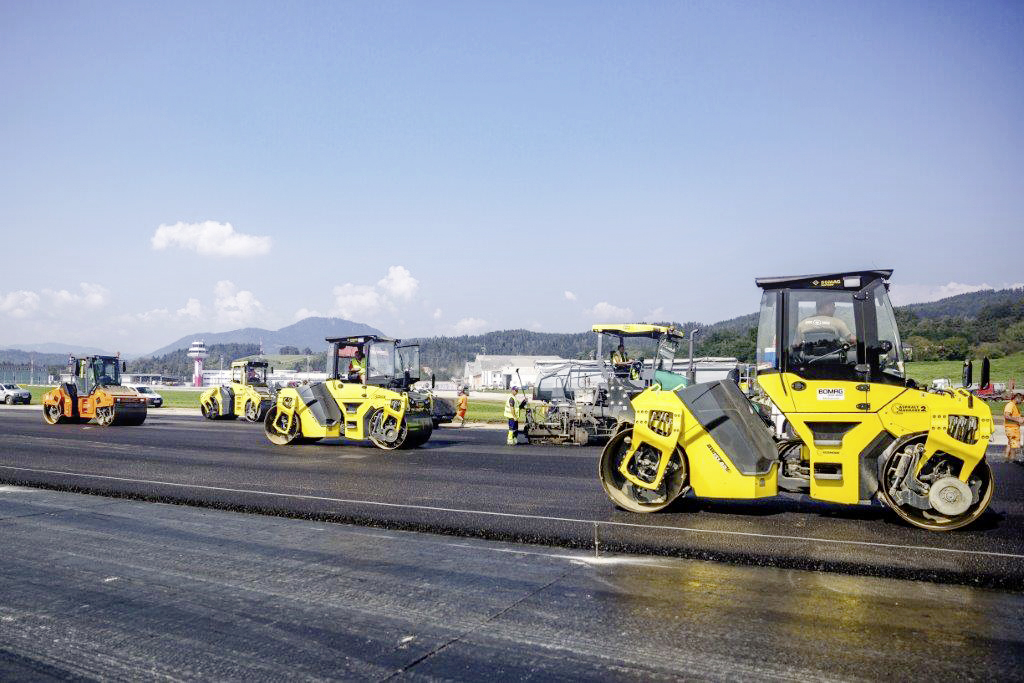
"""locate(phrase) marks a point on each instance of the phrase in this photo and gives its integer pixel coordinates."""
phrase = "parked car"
(153, 399)
(12, 393)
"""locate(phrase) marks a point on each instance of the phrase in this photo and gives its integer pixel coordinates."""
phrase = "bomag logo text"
(828, 283)
(721, 462)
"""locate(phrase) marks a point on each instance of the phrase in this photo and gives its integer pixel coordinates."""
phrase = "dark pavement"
(98, 588)
(467, 483)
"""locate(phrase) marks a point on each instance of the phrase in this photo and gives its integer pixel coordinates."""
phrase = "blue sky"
(456, 167)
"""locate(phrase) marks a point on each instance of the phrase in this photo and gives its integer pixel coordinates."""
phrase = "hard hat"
(515, 388)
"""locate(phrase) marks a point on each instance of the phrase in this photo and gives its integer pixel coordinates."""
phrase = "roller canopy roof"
(853, 279)
(637, 330)
(360, 339)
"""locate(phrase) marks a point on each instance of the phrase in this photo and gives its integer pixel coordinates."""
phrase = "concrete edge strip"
(512, 515)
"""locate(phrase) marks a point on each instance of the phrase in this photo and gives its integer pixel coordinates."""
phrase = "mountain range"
(309, 332)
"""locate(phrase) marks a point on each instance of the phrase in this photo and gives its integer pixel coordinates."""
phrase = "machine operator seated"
(357, 367)
(623, 366)
(824, 325)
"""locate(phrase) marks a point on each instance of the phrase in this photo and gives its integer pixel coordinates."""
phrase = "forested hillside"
(178, 364)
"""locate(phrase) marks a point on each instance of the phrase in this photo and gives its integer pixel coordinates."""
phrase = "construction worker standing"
(513, 406)
(1011, 425)
(461, 405)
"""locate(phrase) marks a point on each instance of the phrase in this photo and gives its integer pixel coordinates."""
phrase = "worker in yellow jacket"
(513, 407)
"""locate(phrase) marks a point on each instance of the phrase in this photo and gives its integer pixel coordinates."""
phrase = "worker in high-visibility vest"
(513, 406)
(357, 367)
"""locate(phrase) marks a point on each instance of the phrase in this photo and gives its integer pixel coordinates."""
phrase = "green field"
(1003, 370)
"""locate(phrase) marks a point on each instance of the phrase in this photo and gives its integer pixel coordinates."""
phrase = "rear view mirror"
(968, 377)
(433, 381)
(124, 366)
(984, 372)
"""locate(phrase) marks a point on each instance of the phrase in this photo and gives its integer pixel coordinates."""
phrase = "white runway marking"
(512, 515)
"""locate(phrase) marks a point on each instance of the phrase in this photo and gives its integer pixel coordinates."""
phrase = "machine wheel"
(948, 496)
(207, 410)
(9, 400)
(628, 495)
(105, 416)
(52, 414)
(384, 433)
(252, 411)
(275, 428)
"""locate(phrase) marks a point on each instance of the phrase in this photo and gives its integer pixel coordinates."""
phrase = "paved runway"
(466, 483)
(97, 588)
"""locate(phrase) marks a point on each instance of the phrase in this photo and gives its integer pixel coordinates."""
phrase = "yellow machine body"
(384, 410)
(247, 396)
(849, 428)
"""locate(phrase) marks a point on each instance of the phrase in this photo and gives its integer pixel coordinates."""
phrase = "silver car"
(153, 399)
(12, 393)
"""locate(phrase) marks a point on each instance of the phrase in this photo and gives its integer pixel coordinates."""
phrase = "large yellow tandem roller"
(830, 361)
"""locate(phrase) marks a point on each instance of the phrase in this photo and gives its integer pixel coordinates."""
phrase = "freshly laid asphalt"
(99, 588)
(467, 483)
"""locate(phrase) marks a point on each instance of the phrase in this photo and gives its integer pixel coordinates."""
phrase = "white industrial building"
(488, 371)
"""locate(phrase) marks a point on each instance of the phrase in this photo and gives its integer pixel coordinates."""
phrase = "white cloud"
(399, 284)
(210, 239)
(89, 295)
(304, 313)
(657, 314)
(570, 296)
(437, 314)
(606, 312)
(191, 309)
(903, 294)
(19, 304)
(357, 301)
(234, 306)
(469, 326)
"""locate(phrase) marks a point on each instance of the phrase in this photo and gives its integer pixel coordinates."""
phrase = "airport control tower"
(197, 352)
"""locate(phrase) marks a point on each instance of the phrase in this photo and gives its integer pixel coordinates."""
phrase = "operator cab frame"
(90, 372)
(389, 363)
(251, 373)
(668, 340)
(838, 326)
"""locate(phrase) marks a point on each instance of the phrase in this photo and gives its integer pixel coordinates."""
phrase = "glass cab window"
(256, 375)
(767, 357)
(380, 362)
(106, 372)
(820, 333)
(885, 352)
(409, 361)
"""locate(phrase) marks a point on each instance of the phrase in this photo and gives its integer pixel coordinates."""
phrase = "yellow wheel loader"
(93, 391)
(368, 396)
(247, 396)
(829, 360)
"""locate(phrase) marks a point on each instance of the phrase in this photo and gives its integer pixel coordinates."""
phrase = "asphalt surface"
(467, 483)
(95, 588)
